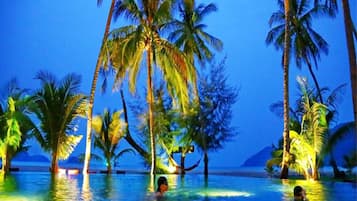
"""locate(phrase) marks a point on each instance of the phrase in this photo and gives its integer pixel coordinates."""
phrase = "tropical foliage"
(94, 86)
(58, 105)
(189, 33)
(298, 124)
(129, 44)
(307, 145)
(166, 128)
(208, 124)
(15, 123)
(109, 129)
(306, 42)
(351, 36)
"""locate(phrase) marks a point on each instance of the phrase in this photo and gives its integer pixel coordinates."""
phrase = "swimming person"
(299, 194)
(162, 187)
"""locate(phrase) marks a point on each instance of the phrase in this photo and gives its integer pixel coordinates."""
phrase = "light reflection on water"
(25, 186)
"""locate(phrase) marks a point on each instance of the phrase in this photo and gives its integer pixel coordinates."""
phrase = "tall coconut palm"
(351, 35)
(190, 36)
(350, 29)
(286, 138)
(189, 33)
(129, 44)
(94, 86)
(58, 105)
(109, 129)
(306, 42)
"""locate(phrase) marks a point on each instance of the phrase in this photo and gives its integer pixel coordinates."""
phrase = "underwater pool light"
(224, 193)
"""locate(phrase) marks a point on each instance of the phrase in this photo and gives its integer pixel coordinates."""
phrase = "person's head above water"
(162, 185)
(299, 193)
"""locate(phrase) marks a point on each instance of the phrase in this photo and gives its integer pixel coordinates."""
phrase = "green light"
(18, 198)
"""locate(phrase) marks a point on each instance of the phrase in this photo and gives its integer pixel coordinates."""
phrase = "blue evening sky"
(64, 36)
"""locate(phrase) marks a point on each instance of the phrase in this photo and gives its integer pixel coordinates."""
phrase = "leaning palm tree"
(94, 86)
(350, 29)
(58, 105)
(129, 44)
(109, 129)
(351, 35)
(306, 42)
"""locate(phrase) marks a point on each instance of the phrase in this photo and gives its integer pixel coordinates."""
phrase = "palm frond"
(127, 8)
(67, 144)
(337, 134)
(122, 152)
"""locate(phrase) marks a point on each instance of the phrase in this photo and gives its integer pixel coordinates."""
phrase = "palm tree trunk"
(128, 137)
(286, 149)
(4, 162)
(109, 167)
(205, 160)
(92, 92)
(8, 161)
(315, 169)
(151, 116)
(54, 163)
(183, 163)
(351, 54)
(315, 80)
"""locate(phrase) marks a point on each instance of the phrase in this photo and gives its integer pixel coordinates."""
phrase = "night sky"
(65, 36)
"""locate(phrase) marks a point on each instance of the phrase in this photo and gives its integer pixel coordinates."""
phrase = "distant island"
(345, 146)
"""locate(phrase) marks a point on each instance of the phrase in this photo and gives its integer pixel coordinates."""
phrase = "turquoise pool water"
(26, 186)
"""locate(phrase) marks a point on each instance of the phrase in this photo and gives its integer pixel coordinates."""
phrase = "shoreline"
(253, 172)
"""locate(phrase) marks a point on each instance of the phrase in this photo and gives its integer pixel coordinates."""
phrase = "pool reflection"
(63, 188)
(134, 187)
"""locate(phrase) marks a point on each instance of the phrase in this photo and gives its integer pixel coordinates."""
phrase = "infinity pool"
(26, 186)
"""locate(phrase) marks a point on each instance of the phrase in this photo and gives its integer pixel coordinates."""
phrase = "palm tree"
(286, 137)
(350, 31)
(190, 36)
(307, 43)
(11, 133)
(94, 86)
(109, 130)
(129, 44)
(58, 106)
(296, 118)
(15, 123)
(189, 33)
(307, 146)
(335, 136)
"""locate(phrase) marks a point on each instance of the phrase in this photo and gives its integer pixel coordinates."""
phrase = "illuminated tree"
(94, 86)
(128, 46)
(209, 125)
(15, 123)
(58, 105)
(109, 129)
